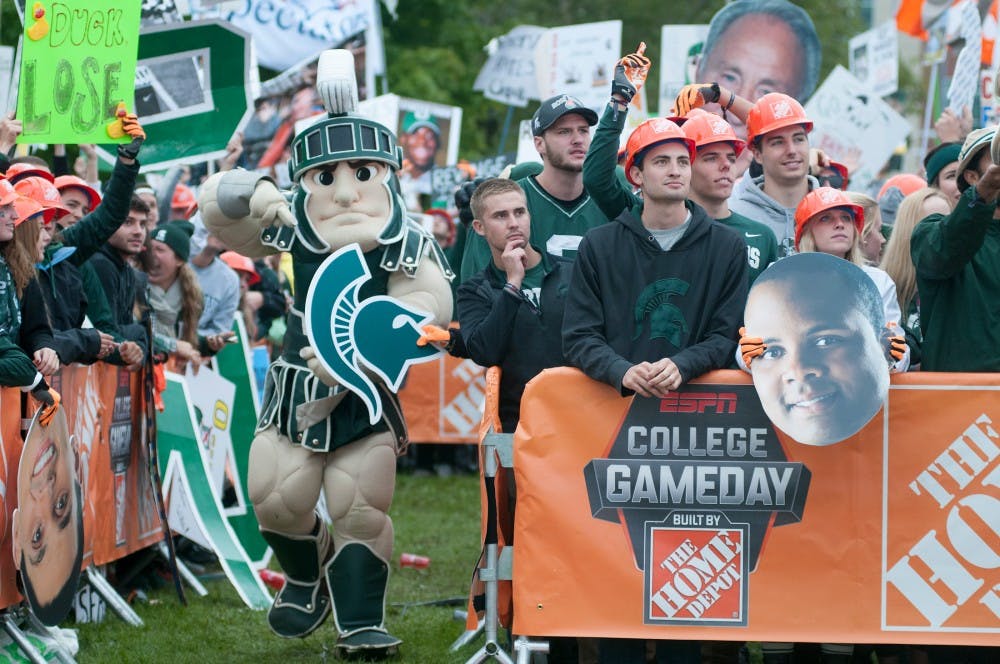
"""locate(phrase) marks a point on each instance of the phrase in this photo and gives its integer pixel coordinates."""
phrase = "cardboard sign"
(508, 76)
(351, 337)
(285, 33)
(964, 22)
(874, 58)
(691, 517)
(78, 63)
(443, 401)
(680, 47)
(579, 60)
(853, 127)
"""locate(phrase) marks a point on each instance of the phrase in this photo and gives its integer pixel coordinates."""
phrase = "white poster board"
(680, 47)
(855, 128)
(964, 23)
(579, 60)
(874, 58)
(509, 73)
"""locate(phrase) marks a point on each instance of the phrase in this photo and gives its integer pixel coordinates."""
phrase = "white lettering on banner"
(729, 442)
(949, 573)
(702, 485)
(465, 411)
(699, 577)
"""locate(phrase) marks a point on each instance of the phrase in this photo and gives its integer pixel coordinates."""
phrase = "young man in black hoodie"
(657, 296)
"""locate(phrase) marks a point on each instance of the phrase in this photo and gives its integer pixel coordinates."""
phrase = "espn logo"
(697, 402)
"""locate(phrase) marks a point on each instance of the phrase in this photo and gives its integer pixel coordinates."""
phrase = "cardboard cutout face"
(48, 524)
(823, 374)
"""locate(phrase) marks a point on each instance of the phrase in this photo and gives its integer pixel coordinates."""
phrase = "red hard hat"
(184, 199)
(23, 169)
(907, 183)
(706, 128)
(240, 263)
(45, 193)
(650, 133)
(67, 181)
(775, 111)
(7, 193)
(25, 208)
(821, 199)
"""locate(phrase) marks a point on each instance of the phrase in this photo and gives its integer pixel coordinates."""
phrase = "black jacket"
(500, 328)
(632, 302)
(120, 284)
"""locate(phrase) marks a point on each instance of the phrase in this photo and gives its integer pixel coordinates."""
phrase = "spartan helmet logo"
(781, 109)
(830, 196)
(665, 320)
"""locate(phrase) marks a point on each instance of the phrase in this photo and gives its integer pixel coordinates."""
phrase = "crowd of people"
(633, 265)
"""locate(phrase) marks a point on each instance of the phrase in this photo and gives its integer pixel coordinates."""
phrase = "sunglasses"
(834, 180)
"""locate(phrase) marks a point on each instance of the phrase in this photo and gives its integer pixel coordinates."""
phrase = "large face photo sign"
(48, 521)
(823, 374)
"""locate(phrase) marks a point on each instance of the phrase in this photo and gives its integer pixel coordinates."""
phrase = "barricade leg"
(114, 600)
(185, 572)
(61, 655)
(15, 633)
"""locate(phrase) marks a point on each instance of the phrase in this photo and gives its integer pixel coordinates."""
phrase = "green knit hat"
(940, 157)
(175, 236)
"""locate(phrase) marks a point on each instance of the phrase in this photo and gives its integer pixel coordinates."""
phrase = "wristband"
(513, 290)
(732, 100)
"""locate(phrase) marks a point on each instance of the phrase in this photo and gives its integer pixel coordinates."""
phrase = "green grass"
(435, 517)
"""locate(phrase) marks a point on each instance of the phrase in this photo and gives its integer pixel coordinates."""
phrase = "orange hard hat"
(25, 208)
(775, 111)
(7, 193)
(907, 183)
(23, 169)
(67, 181)
(240, 263)
(649, 133)
(706, 128)
(45, 193)
(184, 199)
(821, 199)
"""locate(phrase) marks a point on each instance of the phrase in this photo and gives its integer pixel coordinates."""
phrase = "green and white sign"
(78, 63)
(194, 88)
(184, 465)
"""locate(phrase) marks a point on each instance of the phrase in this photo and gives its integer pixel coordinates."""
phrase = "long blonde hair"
(192, 304)
(19, 253)
(872, 213)
(897, 261)
(807, 244)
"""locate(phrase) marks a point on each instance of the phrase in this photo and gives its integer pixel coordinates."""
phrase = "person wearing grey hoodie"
(778, 134)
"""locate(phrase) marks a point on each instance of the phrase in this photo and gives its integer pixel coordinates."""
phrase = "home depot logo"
(695, 570)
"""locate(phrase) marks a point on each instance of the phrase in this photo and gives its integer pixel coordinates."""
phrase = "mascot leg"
(284, 482)
(359, 482)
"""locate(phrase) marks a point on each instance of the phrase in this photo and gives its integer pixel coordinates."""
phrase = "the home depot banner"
(691, 517)
(443, 400)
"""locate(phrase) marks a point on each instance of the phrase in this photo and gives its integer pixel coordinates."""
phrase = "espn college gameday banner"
(691, 517)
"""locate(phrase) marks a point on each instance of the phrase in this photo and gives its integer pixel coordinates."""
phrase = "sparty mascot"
(313, 433)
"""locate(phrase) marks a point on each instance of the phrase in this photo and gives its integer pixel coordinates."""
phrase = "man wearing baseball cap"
(561, 209)
(420, 138)
(957, 257)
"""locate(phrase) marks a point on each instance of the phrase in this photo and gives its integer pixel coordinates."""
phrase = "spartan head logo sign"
(665, 320)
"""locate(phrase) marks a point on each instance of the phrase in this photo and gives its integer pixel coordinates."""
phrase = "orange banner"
(443, 400)
(693, 518)
(104, 411)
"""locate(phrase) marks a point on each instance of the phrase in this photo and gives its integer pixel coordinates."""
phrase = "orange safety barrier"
(706, 523)
(104, 407)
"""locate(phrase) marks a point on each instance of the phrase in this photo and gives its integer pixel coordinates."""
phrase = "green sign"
(234, 363)
(77, 65)
(181, 453)
(193, 90)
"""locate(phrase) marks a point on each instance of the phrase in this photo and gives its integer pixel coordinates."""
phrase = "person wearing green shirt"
(561, 209)
(712, 179)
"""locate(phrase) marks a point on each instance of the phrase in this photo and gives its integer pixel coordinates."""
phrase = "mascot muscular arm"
(315, 432)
